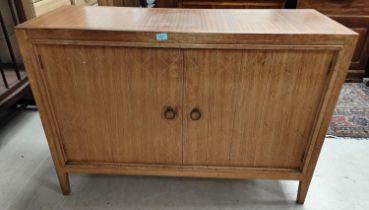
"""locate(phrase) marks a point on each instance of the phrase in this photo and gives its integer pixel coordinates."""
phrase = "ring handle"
(195, 114)
(170, 113)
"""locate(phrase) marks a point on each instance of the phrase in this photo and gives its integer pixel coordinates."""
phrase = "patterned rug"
(351, 117)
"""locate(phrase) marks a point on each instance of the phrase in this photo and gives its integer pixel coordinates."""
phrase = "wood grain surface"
(258, 106)
(188, 21)
(232, 4)
(337, 7)
(110, 108)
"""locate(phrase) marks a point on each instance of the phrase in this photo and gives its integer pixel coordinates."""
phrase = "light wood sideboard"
(243, 94)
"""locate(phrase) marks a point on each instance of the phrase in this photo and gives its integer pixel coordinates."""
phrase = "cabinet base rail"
(217, 172)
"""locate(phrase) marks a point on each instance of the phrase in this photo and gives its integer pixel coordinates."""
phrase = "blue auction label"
(161, 36)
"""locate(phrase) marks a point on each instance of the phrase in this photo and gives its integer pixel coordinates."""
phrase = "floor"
(28, 181)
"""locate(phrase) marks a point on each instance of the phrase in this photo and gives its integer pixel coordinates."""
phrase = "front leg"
(302, 191)
(63, 181)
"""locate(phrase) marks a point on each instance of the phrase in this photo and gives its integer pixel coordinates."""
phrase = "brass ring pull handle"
(170, 113)
(195, 114)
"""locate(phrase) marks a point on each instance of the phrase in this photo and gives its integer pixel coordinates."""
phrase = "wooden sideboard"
(121, 3)
(355, 15)
(214, 4)
(231, 4)
(192, 93)
(166, 3)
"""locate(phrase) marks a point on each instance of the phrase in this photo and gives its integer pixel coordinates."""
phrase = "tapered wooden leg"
(302, 191)
(63, 181)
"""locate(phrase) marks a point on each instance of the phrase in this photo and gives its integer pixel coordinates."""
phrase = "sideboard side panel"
(33, 68)
(339, 73)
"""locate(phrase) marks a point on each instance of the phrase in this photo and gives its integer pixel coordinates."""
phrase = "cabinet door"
(109, 102)
(257, 106)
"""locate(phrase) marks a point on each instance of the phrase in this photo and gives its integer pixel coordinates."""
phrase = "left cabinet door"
(115, 104)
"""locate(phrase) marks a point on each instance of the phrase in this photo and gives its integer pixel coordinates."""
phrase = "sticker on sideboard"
(161, 36)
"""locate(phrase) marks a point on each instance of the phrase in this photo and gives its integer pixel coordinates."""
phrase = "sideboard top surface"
(214, 21)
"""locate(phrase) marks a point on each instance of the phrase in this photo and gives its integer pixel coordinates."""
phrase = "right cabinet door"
(251, 108)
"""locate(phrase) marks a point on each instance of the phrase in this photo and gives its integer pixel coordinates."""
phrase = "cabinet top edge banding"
(250, 46)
